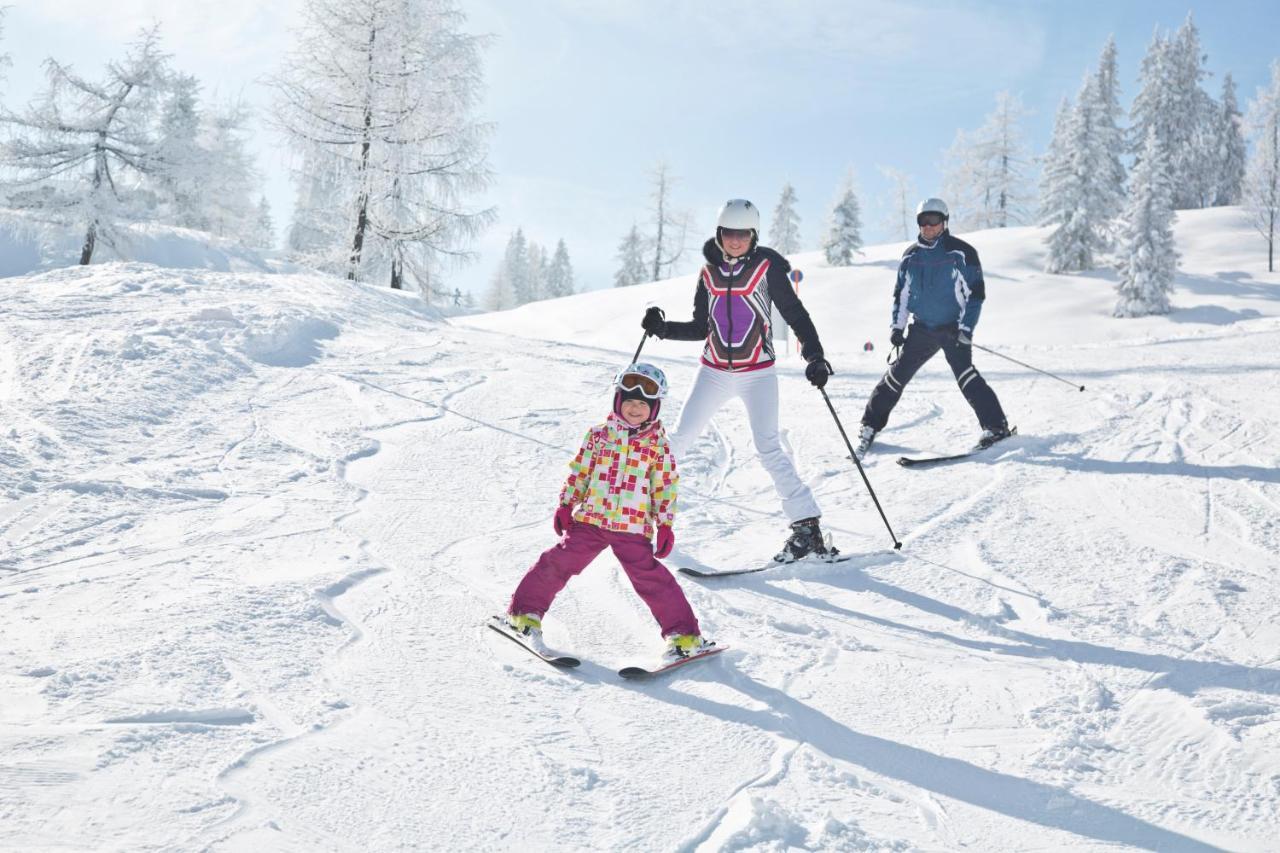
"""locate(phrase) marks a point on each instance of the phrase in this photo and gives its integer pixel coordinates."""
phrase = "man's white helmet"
(739, 213)
(933, 205)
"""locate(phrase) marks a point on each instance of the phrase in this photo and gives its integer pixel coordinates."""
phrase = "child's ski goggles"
(639, 382)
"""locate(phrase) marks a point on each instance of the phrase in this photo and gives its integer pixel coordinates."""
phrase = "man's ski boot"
(866, 435)
(991, 436)
(685, 646)
(806, 539)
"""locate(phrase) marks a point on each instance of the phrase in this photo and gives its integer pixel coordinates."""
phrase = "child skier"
(623, 483)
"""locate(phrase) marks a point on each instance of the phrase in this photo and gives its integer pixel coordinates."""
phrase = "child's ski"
(724, 573)
(535, 646)
(908, 462)
(639, 672)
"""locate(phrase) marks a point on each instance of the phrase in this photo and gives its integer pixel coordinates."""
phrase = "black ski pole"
(1029, 367)
(643, 338)
(897, 545)
(636, 357)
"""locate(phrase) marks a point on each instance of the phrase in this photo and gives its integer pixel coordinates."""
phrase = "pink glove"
(564, 518)
(665, 542)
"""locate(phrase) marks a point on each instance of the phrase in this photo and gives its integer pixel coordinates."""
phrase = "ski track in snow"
(250, 545)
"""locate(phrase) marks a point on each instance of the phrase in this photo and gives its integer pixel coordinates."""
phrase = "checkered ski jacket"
(623, 479)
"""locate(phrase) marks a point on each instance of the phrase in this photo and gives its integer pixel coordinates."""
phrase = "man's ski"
(724, 573)
(908, 462)
(639, 672)
(535, 646)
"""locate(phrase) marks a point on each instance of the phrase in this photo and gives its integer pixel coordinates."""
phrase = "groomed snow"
(253, 525)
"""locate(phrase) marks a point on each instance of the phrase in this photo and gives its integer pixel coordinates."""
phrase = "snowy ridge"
(254, 525)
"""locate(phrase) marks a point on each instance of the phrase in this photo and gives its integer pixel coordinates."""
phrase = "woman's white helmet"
(740, 214)
(933, 205)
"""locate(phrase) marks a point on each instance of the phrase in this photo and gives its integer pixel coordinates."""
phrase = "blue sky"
(588, 96)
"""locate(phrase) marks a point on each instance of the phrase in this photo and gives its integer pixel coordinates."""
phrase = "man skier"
(940, 287)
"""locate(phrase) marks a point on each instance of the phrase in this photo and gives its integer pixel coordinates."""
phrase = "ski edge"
(699, 573)
(558, 661)
(639, 673)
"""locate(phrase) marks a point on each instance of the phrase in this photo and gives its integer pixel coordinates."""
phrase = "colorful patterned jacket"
(623, 479)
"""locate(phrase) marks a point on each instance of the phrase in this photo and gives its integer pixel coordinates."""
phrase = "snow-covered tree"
(378, 96)
(784, 231)
(559, 273)
(536, 268)
(1230, 152)
(5, 60)
(227, 206)
(631, 265)
(510, 284)
(264, 226)
(1261, 191)
(1107, 140)
(986, 171)
(844, 234)
(670, 229)
(1147, 257)
(83, 150)
(900, 203)
(181, 164)
(1172, 103)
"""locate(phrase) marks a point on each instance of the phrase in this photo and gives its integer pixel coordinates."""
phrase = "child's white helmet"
(649, 380)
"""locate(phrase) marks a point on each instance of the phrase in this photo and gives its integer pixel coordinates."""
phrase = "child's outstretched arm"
(575, 487)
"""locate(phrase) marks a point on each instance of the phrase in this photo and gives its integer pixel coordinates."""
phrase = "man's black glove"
(898, 338)
(817, 372)
(655, 322)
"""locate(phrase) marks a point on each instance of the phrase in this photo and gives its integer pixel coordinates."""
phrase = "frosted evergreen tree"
(1261, 190)
(515, 268)
(1172, 103)
(182, 165)
(1147, 258)
(986, 171)
(784, 231)
(536, 268)
(5, 60)
(631, 264)
(559, 273)
(844, 235)
(1230, 152)
(82, 151)
(1107, 144)
(1057, 195)
(386, 90)
(264, 226)
(227, 207)
(900, 203)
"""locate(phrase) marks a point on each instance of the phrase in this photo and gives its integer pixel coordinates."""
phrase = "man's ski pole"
(1029, 367)
(897, 545)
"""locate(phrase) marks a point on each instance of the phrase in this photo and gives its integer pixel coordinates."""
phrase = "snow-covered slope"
(253, 525)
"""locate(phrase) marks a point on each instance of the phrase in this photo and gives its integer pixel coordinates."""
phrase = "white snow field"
(253, 526)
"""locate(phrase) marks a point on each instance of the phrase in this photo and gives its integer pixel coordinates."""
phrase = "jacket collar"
(619, 425)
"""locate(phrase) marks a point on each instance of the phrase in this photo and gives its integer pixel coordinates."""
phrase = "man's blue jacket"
(940, 283)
